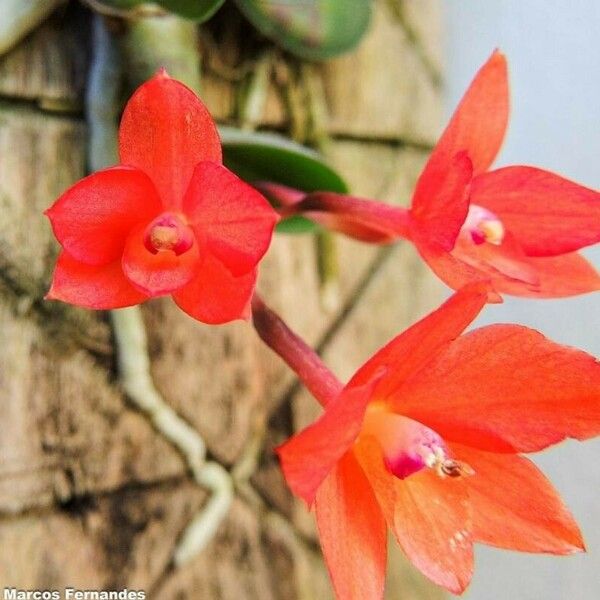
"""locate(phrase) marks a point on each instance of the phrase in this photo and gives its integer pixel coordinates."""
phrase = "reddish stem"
(300, 357)
(281, 195)
(363, 219)
(350, 214)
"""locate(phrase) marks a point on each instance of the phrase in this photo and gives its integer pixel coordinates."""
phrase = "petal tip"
(493, 297)
(51, 213)
(483, 288)
(578, 546)
(498, 55)
(498, 60)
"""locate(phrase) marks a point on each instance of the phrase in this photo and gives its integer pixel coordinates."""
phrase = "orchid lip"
(482, 225)
(168, 232)
(409, 446)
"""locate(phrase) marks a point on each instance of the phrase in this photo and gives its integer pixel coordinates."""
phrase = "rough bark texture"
(90, 495)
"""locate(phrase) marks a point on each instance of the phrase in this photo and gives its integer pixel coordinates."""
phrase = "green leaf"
(311, 29)
(124, 4)
(258, 156)
(269, 157)
(196, 10)
(297, 224)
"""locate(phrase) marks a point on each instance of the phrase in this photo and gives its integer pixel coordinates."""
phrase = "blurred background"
(554, 57)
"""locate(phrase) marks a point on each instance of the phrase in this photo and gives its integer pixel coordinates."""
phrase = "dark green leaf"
(196, 10)
(270, 157)
(311, 29)
(297, 224)
(124, 4)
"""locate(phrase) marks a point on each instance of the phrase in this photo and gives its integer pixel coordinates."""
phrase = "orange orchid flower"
(518, 226)
(170, 219)
(426, 440)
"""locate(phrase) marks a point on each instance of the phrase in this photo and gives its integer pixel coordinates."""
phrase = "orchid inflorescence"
(427, 437)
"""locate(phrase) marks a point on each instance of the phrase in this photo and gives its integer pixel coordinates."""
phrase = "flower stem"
(300, 357)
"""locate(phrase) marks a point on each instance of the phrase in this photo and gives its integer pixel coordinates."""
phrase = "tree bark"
(90, 495)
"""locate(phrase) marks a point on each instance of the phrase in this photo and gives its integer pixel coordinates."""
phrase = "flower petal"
(215, 296)
(441, 202)
(429, 516)
(515, 506)
(479, 121)
(413, 349)
(309, 456)
(352, 532)
(160, 273)
(231, 218)
(432, 524)
(475, 133)
(544, 277)
(456, 273)
(93, 218)
(166, 131)
(558, 277)
(548, 214)
(505, 261)
(506, 388)
(99, 287)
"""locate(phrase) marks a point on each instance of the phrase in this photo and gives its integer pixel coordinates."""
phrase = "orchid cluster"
(427, 437)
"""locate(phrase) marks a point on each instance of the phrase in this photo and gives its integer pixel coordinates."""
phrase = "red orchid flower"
(518, 226)
(426, 440)
(169, 219)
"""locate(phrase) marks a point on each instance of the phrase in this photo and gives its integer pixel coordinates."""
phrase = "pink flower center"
(482, 225)
(408, 446)
(168, 232)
